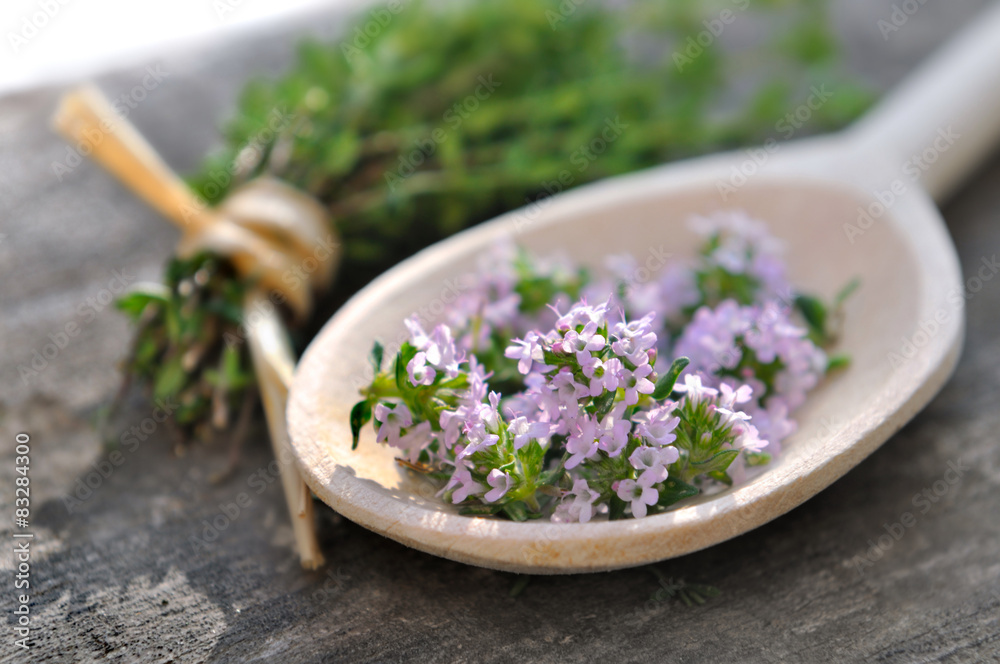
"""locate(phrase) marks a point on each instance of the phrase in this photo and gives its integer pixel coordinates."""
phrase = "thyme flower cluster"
(533, 401)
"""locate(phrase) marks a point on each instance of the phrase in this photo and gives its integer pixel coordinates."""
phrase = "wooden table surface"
(126, 565)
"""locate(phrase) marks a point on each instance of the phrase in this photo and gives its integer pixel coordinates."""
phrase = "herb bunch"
(458, 111)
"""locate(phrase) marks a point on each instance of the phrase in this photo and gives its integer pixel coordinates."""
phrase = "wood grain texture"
(120, 579)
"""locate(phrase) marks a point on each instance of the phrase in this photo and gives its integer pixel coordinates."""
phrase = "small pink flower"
(729, 397)
(603, 375)
(524, 430)
(636, 383)
(656, 426)
(586, 340)
(500, 481)
(526, 351)
(640, 496)
(694, 390)
(582, 443)
(577, 504)
(392, 421)
(466, 486)
(653, 462)
(420, 373)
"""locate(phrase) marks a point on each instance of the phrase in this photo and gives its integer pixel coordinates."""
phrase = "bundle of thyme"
(413, 127)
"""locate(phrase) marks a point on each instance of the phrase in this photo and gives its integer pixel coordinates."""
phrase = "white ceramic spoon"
(812, 194)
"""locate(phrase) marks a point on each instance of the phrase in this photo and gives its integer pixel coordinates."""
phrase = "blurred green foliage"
(426, 118)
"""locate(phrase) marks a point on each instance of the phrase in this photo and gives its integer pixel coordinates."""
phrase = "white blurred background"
(49, 41)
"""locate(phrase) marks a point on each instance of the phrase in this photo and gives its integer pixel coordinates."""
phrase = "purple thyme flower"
(524, 431)
(392, 421)
(636, 383)
(582, 441)
(693, 390)
(640, 496)
(526, 351)
(420, 373)
(577, 504)
(656, 425)
(500, 481)
(653, 462)
(466, 485)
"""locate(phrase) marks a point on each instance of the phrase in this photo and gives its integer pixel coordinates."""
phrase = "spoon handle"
(943, 120)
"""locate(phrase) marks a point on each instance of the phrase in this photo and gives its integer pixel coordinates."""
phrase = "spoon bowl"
(854, 204)
(906, 270)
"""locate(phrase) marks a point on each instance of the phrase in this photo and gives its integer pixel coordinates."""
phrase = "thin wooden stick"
(85, 117)
(274, 365)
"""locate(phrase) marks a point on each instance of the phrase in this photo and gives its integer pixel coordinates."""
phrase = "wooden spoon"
(854, 204)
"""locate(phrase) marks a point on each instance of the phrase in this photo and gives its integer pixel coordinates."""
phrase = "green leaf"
(616, 508)
(170, 379)
(717, 463)
(406, 353)
(135, 302)
(840, 361)
(360, 415)
(519, 585)
(665, 385)
(675, 490)
(551, 477)
(603, 404)
(846, 292)
(376, 357)
(721, 476)
(479, 510)
(697, 593)
(814, 312)
(231, 366)
(517, 511)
